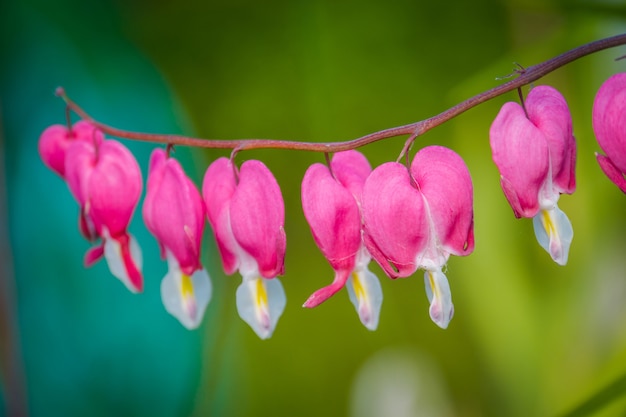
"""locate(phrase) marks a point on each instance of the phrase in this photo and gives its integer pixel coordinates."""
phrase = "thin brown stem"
(329, 165)
(68, 118)
(407, 146)
(169, 149)
(527, 76)
(520, 93)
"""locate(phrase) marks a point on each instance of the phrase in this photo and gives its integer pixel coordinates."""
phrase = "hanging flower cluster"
(403, 216)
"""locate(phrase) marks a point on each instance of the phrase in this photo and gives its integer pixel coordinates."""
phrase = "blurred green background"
(529, 338)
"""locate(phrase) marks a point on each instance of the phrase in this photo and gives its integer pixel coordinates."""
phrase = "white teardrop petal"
(440, 297)
(260, 303)
(185, 297)
(366, 295)
(554, 233)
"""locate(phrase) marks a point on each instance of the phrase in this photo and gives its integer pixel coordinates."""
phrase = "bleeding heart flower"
(247, 214)
(53, 145)
(609, 125)
(535, 152)
(416, 218)
(331, 199)
(55, 140)
(173, 211)
(106, 181)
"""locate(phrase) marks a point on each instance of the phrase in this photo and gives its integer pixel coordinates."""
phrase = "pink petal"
(114, 187)
(351, 169)
(80, 161)
(53, 143)
(548, 111)
(257, 214)
(218, 188)
(395, 223)
(323, 294)
(85, 131)
(333, 215)
(155, 174)
(444, 180)
(93, 255)
(609, 120)
(612, 171)
(55, 140)
(174, 211)
(79, 165)
(520, 151)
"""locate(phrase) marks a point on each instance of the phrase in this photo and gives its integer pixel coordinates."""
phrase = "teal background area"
(528, 337)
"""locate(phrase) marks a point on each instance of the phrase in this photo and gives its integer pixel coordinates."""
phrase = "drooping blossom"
(609, 125)
(173, 211)
(53, 145)
(246, 211)
(535, 152)
(416, 218)
(331, 200)
(106, 181)
(55, 140)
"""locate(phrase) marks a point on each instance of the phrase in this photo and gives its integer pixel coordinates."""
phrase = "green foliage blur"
(529, 338)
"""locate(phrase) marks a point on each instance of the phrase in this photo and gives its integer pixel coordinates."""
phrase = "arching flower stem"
(525, 77)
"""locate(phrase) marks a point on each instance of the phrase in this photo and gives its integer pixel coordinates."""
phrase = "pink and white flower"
(246, 211)
(535, 152)
(417, 217)
(173, 211)
(53, 145)
(331, 199)
(106, 181)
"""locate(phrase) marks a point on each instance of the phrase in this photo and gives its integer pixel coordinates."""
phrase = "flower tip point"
(438, 317)
(312, 301)
(554, 233)
(367, 320)
(137, 287)
(93, 255)
(321, 295)
(263, 328)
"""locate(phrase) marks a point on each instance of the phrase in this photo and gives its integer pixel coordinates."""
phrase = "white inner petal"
(113, 256)
(440, 297)
(554, 233)
(185, 297)
(260, 303)
(366, 295)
